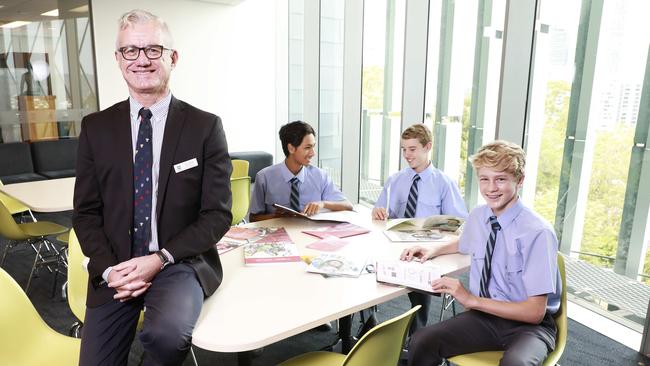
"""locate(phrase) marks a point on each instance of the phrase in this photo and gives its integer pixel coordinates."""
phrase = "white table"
(52, 195)
(257, 306)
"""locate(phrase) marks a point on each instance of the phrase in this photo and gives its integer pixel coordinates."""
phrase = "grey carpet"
(584, 346)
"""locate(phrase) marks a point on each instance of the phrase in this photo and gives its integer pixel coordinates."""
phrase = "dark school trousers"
(172, 305)
(475, 331)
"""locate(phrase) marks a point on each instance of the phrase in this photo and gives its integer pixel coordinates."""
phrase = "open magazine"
(327, 216)
(342, 230)
(432, 228)
(338, 265)
(412, 274)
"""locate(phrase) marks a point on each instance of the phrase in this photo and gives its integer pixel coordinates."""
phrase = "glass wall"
(463, 74)
(296, 59)
(331, 88)
(47, 71)
(381, 95)
(585, 141)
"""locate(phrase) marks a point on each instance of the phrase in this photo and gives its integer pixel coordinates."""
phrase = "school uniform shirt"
(272, 185)
(524, 261)
(438, 194)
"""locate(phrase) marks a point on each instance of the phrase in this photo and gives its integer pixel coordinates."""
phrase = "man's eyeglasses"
(152, 52)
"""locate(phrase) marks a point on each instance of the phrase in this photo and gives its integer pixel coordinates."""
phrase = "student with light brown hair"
(419, 190)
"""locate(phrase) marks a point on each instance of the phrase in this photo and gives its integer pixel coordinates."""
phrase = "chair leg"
(4, 253)
(193, 356)
(31, 273)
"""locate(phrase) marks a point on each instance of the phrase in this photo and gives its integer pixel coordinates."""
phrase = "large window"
(47, 73)
(589, 68)
(462, 86)
(331, 88)
(383, 55)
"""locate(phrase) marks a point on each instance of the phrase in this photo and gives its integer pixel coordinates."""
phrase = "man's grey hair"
(138, 16)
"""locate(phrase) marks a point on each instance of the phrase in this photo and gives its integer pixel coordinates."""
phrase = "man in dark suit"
(152, 197)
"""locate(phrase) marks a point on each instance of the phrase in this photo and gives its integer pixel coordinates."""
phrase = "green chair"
(25, 339)
(77, 284)
(239, 168)
(491, 358)
(382, 345)
(241, 198)
(13, 205)
(35, 234)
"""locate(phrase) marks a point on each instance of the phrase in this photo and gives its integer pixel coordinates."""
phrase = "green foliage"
(372, 92)
(608, 179)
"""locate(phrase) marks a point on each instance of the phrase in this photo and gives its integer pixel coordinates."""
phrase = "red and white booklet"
(273, 246)
(342, 230)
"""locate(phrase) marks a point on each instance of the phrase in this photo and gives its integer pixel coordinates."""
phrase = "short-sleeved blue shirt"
(272, 185)
(524, 262)
(437, 194)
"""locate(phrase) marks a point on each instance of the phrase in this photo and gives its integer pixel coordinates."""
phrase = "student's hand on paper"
(418, 253)
(379, 213)
(312, 208)
(453, 287)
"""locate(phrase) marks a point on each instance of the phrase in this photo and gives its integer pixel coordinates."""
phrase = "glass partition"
(47, 71)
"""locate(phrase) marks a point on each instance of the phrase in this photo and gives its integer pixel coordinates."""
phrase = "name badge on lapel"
(187, 164)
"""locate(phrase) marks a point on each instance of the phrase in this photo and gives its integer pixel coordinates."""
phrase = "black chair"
(257, 160)
(16, 163)
(55, 158)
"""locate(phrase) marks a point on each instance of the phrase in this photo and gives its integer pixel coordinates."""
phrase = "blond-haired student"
(514, 283)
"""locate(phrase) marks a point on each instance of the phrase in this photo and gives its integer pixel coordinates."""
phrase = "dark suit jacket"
(193, 205)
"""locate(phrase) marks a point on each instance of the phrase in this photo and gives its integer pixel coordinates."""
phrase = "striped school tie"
(412, 203)
(487, 263)
(142, 186)
(295, 195)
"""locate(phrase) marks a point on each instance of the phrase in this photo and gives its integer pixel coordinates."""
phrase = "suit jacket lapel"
(173, 129)
(124, 150)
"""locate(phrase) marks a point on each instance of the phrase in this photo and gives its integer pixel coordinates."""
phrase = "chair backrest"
(241, 198)
(15, 158)
(560, 316)
(25, 338)
(77, 277)
(54, 155)
(239, 168)
(9, 229)
(382, 345)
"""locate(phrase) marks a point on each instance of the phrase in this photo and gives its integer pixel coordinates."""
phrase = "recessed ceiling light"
(51, 13)
(15, 24)
(80, 9)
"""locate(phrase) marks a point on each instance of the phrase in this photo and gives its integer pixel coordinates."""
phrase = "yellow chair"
(492, 358)
(25, 339)
(382, 345)
(77, 284)
(13, 205)
(35, 234)
(239, 168)
(241, 198)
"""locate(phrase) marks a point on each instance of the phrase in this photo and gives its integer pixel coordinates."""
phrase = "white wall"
(226, 62)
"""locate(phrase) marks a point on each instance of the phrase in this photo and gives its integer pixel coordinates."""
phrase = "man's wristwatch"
(163, 258)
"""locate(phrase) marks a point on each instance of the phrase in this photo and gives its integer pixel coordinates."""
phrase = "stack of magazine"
(272, 246)
(430, 228)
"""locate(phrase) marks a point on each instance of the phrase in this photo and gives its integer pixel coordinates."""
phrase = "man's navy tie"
(295, 195)
(412, 203)
(487, 262)
(142, 186)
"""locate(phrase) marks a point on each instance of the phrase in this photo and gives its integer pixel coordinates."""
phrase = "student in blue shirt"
(436, 194)
(295, 183)
(514, 282)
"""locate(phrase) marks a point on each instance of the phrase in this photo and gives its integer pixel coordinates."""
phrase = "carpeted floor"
(584, 346)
